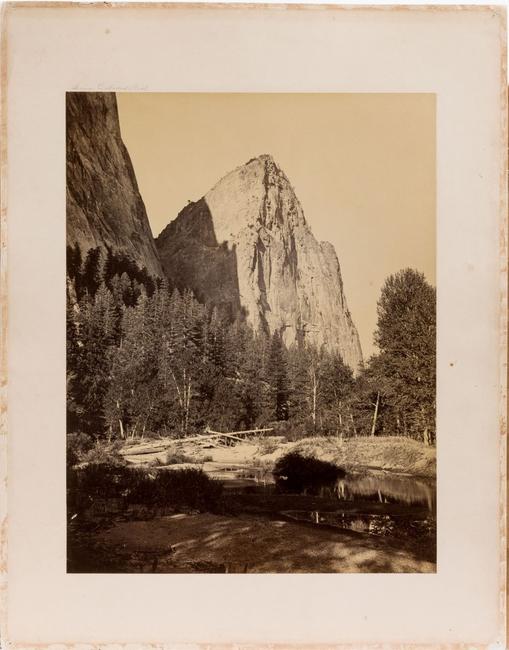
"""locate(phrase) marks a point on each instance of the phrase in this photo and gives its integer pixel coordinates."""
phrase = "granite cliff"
(246, 244)
(104, 205)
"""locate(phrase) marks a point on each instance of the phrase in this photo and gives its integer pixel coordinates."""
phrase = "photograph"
(253, 265)
(251, 332)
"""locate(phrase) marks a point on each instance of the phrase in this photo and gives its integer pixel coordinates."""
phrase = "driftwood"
(139, 451)
(209, 437)
(238, 433)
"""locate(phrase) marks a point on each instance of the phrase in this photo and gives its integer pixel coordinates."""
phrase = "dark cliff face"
(194, 259)
(104, 205)
(246, 244)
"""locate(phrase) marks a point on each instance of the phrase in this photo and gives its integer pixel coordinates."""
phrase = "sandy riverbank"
(400, 455)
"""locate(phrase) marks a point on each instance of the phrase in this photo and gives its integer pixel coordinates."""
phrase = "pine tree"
(92, 274)
(97, 329)
(74, 409)
(298, 371)
(130, 401)
(278, 377)
(74, 268)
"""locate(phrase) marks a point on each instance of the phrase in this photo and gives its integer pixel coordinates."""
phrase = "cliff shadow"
(193, 258)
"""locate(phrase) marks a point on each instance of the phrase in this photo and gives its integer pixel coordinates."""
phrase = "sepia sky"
(362, 166)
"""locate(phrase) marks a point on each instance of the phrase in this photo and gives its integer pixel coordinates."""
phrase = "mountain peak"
(262, 165)
(263, 158)
(246, 245)
(268, 166)
(249, 195)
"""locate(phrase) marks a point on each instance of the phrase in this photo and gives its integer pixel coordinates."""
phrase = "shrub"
(268, 445)
(104, 452)
(293, 430)
(295, 473)
(77, 445)
(280, 427)
(176, 457)
(300, 430)
(190, 488)
(177, 488)
(151, 435)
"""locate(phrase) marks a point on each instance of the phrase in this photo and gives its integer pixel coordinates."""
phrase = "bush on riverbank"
(186, 488)
(178, 457)
(82, 448)
(78, 444)
(294, 472)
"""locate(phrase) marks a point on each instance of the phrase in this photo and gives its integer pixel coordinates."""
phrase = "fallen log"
(134, 451)
(230, 436)
(208, 437)
(155, 447)
(141, 450)
(238, 433)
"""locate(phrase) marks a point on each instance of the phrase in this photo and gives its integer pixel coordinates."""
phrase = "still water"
(378, 503)
(383, 487)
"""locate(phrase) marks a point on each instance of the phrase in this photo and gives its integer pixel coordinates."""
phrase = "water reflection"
(386, 489)
(383, 488)
(376, 486)
(371, 524)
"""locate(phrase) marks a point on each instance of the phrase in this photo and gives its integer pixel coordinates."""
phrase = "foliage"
(321, 382)
(78, 444)
(278, 371)
(83, 448)
(404, 373)
(176, 457)
(295, 472)
(144, 358)
(268, 445)
(186, 488)
(104, 452)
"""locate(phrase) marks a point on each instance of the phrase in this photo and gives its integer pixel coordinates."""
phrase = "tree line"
(144, 358)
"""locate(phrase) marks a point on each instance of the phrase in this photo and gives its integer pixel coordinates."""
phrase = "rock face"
(104, 205)
(246, 244)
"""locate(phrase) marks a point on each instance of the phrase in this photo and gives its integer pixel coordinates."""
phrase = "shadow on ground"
(208, 543)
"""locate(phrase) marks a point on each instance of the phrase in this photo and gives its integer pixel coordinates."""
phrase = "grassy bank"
(394, 454)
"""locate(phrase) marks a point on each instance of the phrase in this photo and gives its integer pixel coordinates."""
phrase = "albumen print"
(251, 333)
